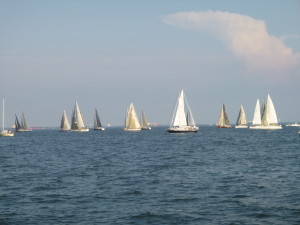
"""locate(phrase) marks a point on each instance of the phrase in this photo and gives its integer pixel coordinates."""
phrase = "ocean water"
(215, 176)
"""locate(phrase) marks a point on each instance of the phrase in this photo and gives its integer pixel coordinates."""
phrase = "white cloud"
(245, 36)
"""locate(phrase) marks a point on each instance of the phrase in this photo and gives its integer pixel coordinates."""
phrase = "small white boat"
(144, 122)
(223, 121)
(182, 122)
(4, 132)
(77, 123)
(64, 124)
(241, 120)
(131, 121)
(97, 122)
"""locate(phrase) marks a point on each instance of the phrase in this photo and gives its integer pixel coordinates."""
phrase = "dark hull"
(185, 131)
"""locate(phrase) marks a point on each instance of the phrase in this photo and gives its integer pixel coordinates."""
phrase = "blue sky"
(106, 54)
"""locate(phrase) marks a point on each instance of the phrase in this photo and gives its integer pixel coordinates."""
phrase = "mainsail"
(223, 121)
(77, 120)
(97, 122)
(241, 120)
(144, 122)
(269, 114)
(64, 124)
(182, 121)
(179, 119)
(132, 121)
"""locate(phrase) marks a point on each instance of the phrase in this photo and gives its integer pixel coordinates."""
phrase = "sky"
(106, 54)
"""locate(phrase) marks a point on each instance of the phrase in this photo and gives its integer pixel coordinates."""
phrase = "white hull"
(81, 130)
(241, 126)
(293, 125)
(274, 127)
(6, 133)
(183, 129)
(99, 128)
(132, 130)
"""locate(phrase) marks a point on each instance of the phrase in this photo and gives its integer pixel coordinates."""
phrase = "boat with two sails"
(22, 126)
(144, 122)
(131, 120)
(77, 123)
(265, 118)
(182, 119)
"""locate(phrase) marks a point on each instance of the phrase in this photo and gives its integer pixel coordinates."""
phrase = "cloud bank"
(246, 37)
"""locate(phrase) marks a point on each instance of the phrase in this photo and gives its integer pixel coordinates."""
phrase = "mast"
(3, 116)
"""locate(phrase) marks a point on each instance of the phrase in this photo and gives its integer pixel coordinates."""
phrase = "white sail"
(182, 121)
(77, 120)
(269, 117)
(132, 121)
(179, 118)
(144, 122)
(257, 116)
(64, 124)
(242, 117)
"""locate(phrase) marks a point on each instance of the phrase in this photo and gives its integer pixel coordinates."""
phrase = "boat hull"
(132, 130)
(183, 129)
(81, 130)
(99, 128)
(275, 127)
(241, 126)
(6, 133)
(146, 128)
(224, 126)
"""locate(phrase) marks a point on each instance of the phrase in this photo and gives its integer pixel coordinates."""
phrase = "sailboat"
(241, 120)
(64, 124)
(77, 123)
(23, 125)
(269, 119)
(182, 122)
(256, 122)
(5, 133)
(97, 122)
(131, 121)
(223, 121)
(144, 122)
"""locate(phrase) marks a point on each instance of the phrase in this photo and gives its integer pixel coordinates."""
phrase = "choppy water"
(216, 176)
